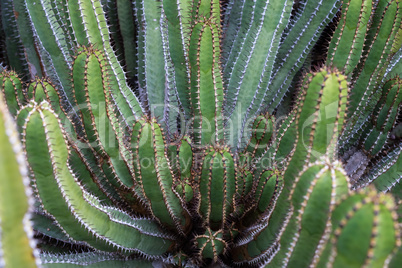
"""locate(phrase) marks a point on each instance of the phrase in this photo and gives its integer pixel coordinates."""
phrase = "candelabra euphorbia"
(200, 133)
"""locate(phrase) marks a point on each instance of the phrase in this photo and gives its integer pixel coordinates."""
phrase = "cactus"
(200, 133)
(18, 248)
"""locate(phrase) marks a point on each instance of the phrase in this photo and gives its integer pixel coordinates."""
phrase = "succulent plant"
(200, 133)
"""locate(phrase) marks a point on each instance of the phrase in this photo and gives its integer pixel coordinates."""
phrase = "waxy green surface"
(17, 246)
